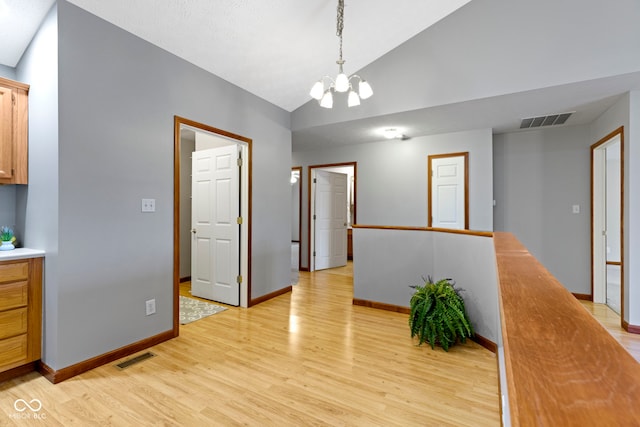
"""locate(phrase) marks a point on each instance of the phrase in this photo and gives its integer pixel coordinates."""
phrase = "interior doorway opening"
(185, 133)
(325, 236)
(607, 207)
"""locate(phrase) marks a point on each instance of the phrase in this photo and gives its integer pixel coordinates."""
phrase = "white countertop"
(21, 253)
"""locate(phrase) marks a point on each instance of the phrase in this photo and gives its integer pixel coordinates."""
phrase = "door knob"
(193, 230)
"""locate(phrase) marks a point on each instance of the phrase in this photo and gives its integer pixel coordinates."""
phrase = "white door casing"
(215, 230)
(598, 225)
(330, 220)
(448, 200)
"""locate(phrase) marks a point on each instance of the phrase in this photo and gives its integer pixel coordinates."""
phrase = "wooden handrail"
(439, 230)
(563, 368)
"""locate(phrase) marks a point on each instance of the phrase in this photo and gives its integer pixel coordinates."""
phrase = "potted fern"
(438, 315)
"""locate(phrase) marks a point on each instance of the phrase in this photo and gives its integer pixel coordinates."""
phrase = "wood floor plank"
(305, 358)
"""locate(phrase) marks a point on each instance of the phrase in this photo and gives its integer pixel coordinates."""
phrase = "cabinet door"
(6, 133)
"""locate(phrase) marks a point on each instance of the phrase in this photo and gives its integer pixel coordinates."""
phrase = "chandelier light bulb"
(354, 99)
(342, 82)
(365, 89)
(317, 90)
(327, 100)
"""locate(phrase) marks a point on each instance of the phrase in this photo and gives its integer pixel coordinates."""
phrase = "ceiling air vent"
(550, 120)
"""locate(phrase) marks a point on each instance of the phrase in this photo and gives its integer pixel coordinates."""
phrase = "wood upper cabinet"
(14, 142)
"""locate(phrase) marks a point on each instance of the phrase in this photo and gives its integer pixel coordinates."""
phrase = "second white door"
(215, 211)
(330, 220)
(448, 187)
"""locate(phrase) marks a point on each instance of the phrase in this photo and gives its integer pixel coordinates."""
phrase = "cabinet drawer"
(13, 295)
(13, 350)
(12, 271)
(13, 322)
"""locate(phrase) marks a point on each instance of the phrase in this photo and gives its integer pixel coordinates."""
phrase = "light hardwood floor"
(611, 321)
(305, 358)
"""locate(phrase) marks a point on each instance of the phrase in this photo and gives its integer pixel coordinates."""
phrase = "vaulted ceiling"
(277, 49)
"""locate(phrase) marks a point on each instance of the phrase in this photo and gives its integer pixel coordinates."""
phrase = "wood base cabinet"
(14, 143)
(20, 313)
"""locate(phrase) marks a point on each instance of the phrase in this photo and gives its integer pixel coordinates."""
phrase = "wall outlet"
(151, 306)
(148, 205)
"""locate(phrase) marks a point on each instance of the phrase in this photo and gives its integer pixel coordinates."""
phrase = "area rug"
(193, 309)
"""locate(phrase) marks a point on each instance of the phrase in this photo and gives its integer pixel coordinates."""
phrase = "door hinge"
(314, 253)
(314, 180)
(13, 99)
(239, 279)
(239, 220)
(314, 217)
(239, 161)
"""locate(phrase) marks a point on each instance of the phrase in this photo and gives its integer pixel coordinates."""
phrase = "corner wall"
(538, 176)
(117, 99)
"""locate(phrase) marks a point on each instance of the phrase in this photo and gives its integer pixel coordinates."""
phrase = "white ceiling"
(19, 21)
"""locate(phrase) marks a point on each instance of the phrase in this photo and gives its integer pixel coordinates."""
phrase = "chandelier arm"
(340, 24)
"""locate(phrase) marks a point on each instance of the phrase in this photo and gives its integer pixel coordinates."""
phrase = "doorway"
(332, 245)
(607, 207)
(448, 191)
(183, 149)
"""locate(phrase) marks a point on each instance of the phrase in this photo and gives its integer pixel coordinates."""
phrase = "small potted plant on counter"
(438, 315)
(7, 238)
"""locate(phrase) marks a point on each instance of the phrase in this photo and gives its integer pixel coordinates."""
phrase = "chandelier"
(342, 83)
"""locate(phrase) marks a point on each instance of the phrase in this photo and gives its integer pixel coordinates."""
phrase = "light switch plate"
(576, 209)
(148, 205)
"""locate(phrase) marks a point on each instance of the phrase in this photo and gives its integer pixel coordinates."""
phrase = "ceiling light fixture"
(342, 83)
(393, 133)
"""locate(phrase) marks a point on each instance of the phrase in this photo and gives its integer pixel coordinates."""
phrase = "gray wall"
(392, 178)
(117, 99)
(538, 176)
(384, 272)
(8, 206)
(7, 72)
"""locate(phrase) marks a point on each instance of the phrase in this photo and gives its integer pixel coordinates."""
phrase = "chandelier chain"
(340, 23)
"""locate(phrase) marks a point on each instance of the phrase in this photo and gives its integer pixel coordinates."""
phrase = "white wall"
(389, 261)
(538, 176)
(392, 178)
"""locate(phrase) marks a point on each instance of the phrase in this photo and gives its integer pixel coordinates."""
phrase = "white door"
(215, 230)
(448, 201)
(330, 220)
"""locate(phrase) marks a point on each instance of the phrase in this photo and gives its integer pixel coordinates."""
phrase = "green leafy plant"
(6, 233)
(438, 315)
